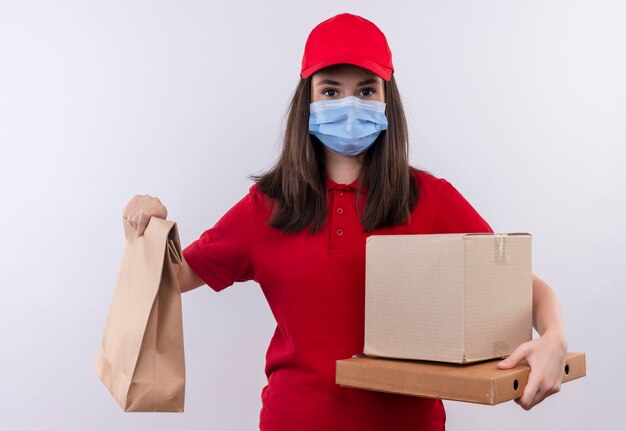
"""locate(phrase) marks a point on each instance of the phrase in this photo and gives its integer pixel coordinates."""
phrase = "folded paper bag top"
(141, 359)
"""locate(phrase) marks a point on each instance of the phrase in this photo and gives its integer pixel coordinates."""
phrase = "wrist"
(557, 337)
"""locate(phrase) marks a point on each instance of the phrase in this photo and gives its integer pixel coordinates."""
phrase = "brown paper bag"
(141, 359)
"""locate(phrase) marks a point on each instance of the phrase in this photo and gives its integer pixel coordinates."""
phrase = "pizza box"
(481, 382)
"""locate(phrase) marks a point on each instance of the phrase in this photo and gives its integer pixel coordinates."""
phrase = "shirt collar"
(331, 185)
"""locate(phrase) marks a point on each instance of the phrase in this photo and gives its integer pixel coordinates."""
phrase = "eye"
(368, 92)
(332, 91)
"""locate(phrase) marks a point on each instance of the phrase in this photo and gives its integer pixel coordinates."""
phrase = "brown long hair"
(297, 183)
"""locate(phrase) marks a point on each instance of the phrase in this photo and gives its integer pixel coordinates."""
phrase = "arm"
(187, 278)
(545, 355)
(547, 318)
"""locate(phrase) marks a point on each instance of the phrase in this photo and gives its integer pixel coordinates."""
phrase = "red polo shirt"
(315, 286)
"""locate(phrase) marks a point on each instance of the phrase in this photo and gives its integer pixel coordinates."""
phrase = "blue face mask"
(348, 125)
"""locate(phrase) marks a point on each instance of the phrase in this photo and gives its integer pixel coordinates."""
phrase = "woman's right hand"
(139, 210)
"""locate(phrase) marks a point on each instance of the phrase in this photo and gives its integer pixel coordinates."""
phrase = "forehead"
(344, 71)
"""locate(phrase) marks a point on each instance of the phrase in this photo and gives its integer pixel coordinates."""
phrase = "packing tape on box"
(502, 251)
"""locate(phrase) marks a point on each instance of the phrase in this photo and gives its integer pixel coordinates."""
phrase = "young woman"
(300, 232)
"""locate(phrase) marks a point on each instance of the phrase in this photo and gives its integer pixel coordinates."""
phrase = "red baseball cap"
(347, 38)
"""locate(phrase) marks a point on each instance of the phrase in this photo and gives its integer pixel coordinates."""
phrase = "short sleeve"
(222, 254)
(456, 215)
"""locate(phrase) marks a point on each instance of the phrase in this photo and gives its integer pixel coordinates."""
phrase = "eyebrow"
(331, 82)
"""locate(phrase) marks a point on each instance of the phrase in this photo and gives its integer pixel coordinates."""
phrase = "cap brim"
(383, 72)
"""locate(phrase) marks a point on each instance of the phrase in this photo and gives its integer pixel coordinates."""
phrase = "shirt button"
(340, 192)
(339, 232)
(339, 210)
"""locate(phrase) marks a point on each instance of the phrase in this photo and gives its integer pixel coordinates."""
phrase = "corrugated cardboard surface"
(480, 383)
(447, 297)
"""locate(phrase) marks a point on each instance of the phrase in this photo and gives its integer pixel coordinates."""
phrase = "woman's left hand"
(546, 358)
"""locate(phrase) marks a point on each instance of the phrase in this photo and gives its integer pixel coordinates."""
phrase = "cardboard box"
(480, 383)
(457, 298)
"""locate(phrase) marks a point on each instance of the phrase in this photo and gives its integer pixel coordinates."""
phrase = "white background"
(520, 104)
